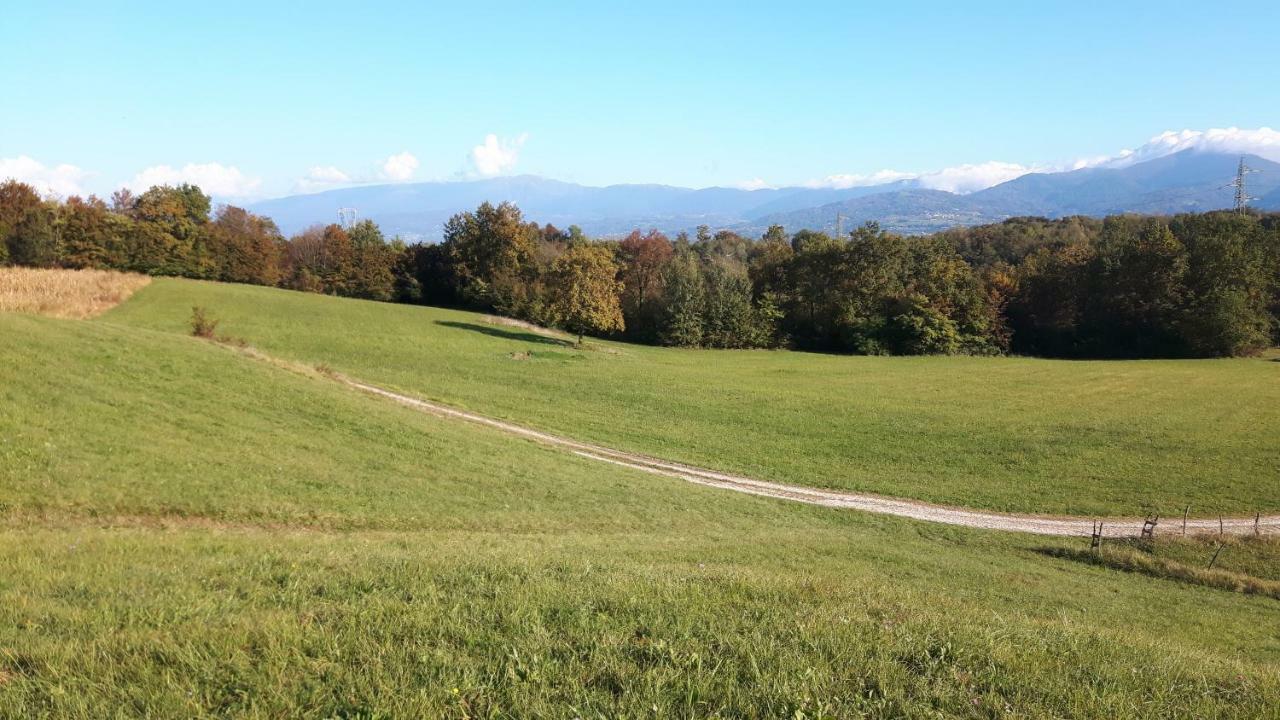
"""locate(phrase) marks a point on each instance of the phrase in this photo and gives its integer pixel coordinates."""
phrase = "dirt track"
(1037, 524)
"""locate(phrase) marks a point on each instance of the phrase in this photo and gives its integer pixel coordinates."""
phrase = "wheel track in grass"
(1006, 522)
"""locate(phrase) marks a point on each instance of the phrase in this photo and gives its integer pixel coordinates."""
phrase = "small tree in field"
(585, 291)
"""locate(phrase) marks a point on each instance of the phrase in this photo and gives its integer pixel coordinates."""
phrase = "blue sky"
(265, 100)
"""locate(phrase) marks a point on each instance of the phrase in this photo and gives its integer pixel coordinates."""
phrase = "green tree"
(1136, 288)
(26, 227)
(492, 252)
(684, 300)
(169, 232)
(373, 263)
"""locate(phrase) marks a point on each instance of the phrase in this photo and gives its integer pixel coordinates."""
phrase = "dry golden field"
(65, 293)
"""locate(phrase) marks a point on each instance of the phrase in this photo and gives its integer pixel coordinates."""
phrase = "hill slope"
(188, 531)
(1125, 437)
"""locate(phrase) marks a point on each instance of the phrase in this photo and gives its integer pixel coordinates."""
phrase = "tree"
(1046, 309)
(813, 275)
(36, 239)
(319, 259)
(730, 320)
(170, 232)
(1230, 282)
(684, 300)
(246, 248)
(373, 261)
(644, 257)
(89, 237)
(25, 230)
(491, 251)
(767, 263)
(1136, 288)
(585, 291)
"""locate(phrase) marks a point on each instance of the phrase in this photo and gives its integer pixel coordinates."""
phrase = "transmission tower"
(346, 217)
(1241, 190)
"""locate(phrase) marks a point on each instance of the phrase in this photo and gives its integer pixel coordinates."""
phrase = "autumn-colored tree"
(89, 237)
(122, 201)
(644, 258)
(585, 291)
(320, 259)
(246, 248)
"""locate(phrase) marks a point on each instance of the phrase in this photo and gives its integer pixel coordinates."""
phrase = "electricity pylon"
(1241, 190)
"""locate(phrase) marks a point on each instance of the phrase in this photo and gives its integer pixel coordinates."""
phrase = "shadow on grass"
(1126, 558)
(506, 333)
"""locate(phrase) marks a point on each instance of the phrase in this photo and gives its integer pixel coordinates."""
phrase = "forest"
(1126, 286)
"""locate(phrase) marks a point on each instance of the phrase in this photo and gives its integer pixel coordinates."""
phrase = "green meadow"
(1014, 434)
(188, 531)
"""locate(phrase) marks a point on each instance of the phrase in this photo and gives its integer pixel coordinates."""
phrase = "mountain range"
(1190, 180)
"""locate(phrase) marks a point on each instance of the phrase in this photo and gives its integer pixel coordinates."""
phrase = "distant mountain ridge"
(1186, 181)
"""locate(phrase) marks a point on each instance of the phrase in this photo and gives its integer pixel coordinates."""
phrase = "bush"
(202, 326)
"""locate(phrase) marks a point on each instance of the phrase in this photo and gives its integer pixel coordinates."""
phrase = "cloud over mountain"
(400, 167)
(496, 156)
(1263, 142)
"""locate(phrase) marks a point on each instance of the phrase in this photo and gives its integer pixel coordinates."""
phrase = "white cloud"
(843, 182)
(213, 178)
(753, 184)
(495, 156)
(396, 168)
(322, 177)
(327, 174)
(962, 179)
(1263, 142)
(972, 178)
(400, 168)
(959, 179)
(62, 180)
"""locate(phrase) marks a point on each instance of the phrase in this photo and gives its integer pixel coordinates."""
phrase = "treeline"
(1191, 285)
(175, 231)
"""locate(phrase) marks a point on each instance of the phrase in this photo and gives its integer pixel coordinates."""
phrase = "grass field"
(1002, 433)
(187, 531)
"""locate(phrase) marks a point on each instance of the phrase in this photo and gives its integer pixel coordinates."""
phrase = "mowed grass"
(1016, 434)
(187, 531)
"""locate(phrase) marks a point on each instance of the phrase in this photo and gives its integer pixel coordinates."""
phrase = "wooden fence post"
(1214, 559)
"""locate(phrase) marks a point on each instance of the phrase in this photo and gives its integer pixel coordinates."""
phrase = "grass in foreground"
(187, 531)
(1087, 438)
(65, 293)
